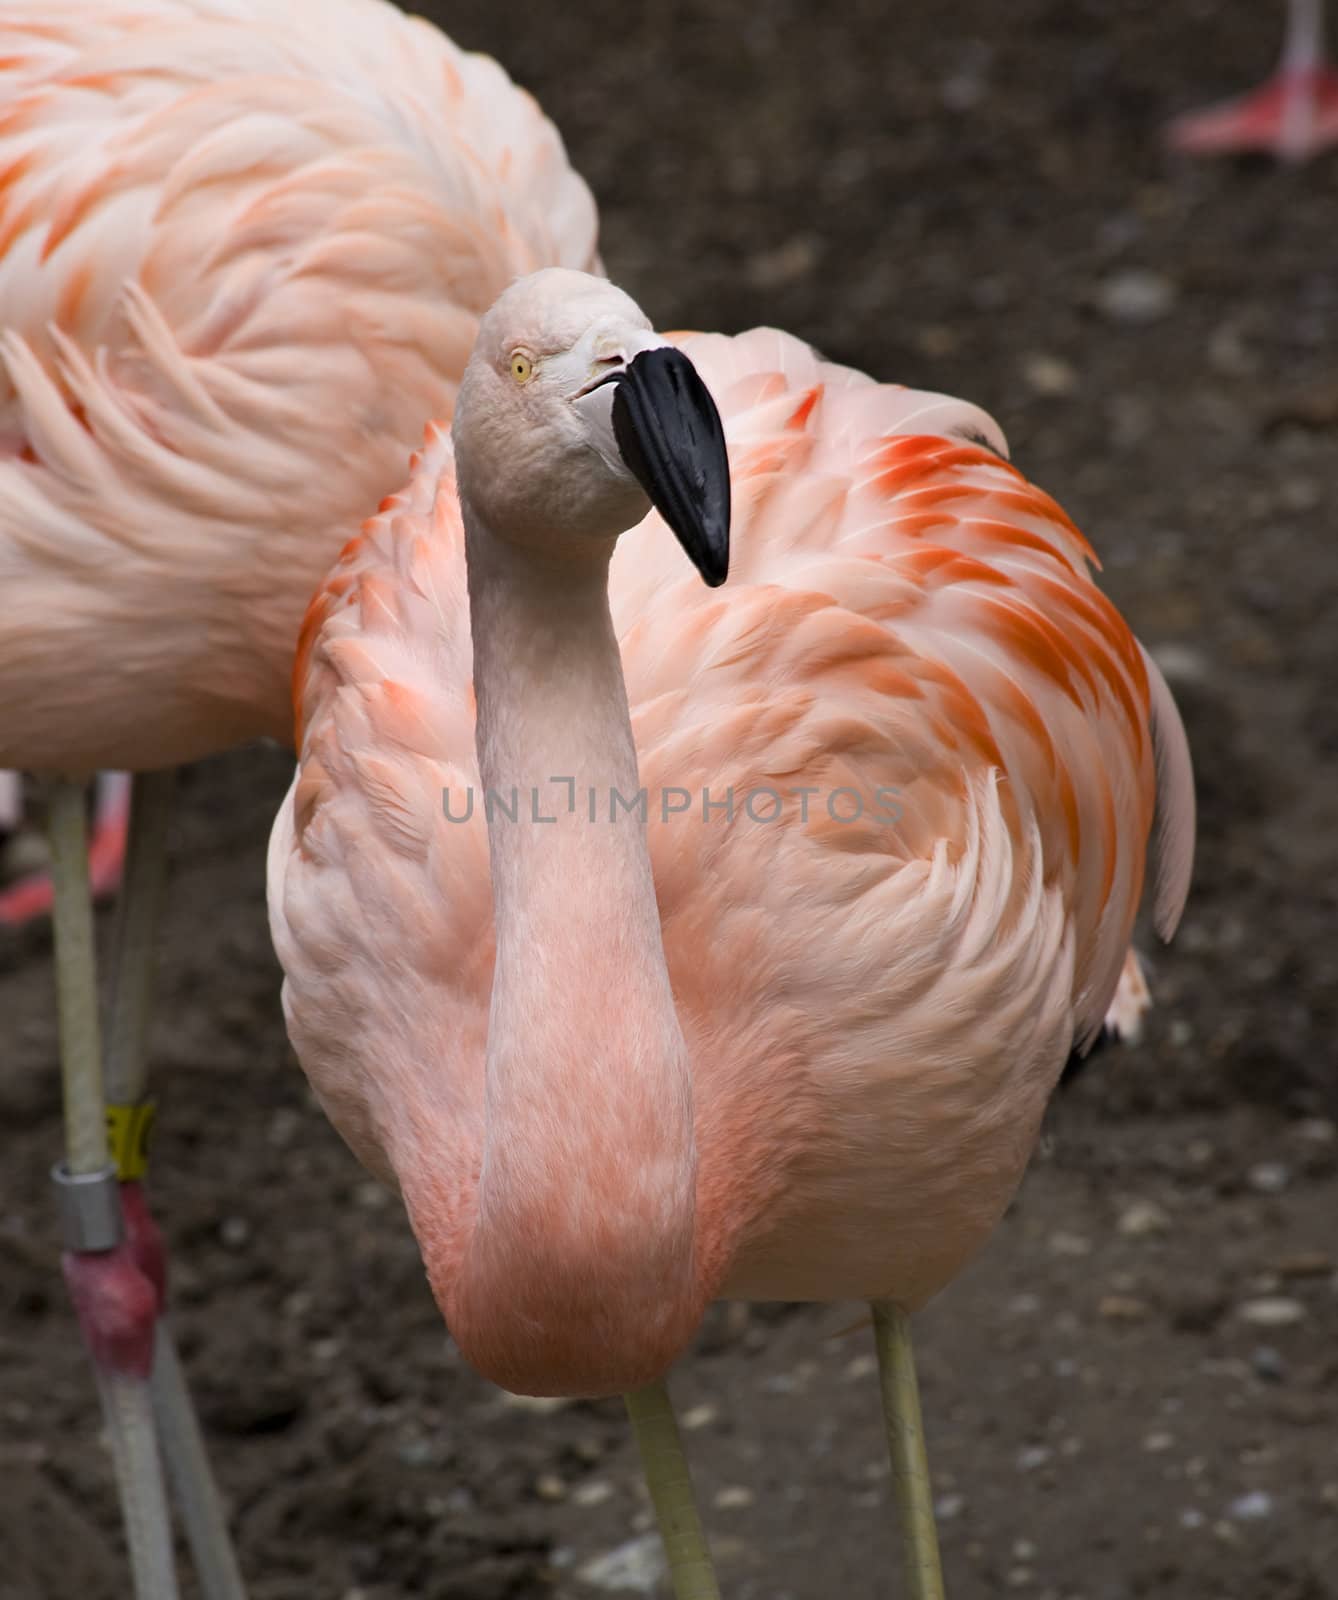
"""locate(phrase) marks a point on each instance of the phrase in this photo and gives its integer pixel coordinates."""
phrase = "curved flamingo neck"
(579, 1275)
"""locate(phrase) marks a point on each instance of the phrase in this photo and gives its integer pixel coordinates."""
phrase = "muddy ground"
(1135, 1391)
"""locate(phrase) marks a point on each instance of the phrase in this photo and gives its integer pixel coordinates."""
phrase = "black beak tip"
(714, 564)
(670, 436)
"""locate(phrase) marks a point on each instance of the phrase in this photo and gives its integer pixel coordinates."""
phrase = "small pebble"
(1316, 1130)
(634, 1567)
(1033, 1456)
(1268, 1363)
(1141, 1218)
(1191, 1517)
(1300, 494)
(733, 1497)
(1070, 1244)
(1122, 1308)
(1271, 1311)
(371, 1196)
(283, 1127)
(937, 339)
(548, 1486)
(1136, 296)
(1269, 1177)
(1049, 375)
(1251, 1507)
(594, 1493)
(1156, 1443)
(234, 1232)
(860, 1367)
(948, 1506)
(701, 1416)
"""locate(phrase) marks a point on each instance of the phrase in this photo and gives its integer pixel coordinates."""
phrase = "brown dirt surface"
(1135, 1391)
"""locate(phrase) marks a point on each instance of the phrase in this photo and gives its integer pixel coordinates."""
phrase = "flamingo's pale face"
(575, 416)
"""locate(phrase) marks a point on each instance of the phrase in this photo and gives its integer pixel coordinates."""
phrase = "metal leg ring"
(90, 1208)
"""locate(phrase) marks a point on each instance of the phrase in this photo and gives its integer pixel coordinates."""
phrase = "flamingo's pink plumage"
(243, 252)
(876, 1010)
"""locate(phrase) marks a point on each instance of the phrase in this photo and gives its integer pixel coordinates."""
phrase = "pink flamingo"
(1294, 115)
(662, 944)
(243, 253)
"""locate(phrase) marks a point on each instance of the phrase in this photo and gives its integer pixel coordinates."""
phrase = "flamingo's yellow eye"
(522, 368)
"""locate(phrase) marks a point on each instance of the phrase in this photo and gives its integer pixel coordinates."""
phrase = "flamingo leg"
(191, 1476)
(906, 1440)
(138, 916)
(1294, 114)
(114, 1300)
(666, 1469)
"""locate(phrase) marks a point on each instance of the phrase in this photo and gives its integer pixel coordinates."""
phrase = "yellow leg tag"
(128, 1130)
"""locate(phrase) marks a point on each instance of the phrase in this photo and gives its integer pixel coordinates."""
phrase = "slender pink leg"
(130, 1114)
(1294, 114)
(115, 1300)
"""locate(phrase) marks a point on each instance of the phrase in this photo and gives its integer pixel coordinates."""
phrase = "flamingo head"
(575, 416)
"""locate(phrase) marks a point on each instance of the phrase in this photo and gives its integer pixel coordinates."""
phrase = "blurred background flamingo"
(759, 1052)
(243, 251)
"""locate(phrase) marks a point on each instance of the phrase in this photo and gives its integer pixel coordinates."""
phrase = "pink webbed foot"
(31, 896)
(1294, 116)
